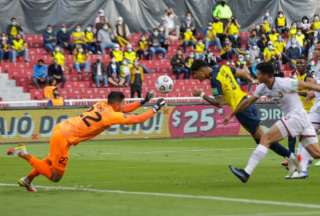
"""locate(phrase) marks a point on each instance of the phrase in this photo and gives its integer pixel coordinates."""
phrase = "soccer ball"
(164, 84)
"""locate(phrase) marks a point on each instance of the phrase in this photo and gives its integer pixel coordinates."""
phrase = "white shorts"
(314, 116)
(297, 123)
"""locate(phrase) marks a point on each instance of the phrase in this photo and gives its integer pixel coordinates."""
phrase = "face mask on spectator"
(80, 50)
(267, 14)
(49, 30)
(113, 61)
(316, 18)
(299, 33)
(14, 22)
(294, 44)
(270, 46)
(255, 47)
(136, 63)
(116, 48)
(89, 29)
(105, 27)
(156, 33)
(57, 49)
(305, 21)
(64, 29)
(4, 38)
(280, 15)
(78, 29)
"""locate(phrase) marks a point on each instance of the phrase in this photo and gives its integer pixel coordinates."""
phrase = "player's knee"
(56, 177)
(265, 139)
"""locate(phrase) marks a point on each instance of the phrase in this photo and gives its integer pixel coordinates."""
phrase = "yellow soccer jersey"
(224, 83)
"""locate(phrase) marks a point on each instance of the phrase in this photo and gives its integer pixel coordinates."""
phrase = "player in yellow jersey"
(226, 91)
(85, 126)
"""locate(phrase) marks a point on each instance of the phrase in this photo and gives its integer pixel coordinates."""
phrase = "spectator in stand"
(293, 30)
(113, 72)
(49, 39)
(254, 57)
(228, 52)
(178, 65)
(58, 56)
(232, 30)
(300, 37)
(212, 39)
(315, 25)
(188, 64)
(262, 42)
(81, 61)
(14, 29)
(104, 38)
(124, 74)
(305, 24)
(155, 43)
(40, 73)
(77, 37)
(117, 54)
(90, 41)
(293, 53)
(63, 38)
(253, 38)
(188, 39)
(100, 15)
(170, 24)
(101, 21)
(281, 23)
(267, 17)
(49, 88)
(218, 28)
(199, 50)
(270, 52)
(57, 100)
(223, 12)
(280, 45)
(19, 48)
(136, 79)
(143, 48)
(188, 22)
(266, 26)
(130, 55)
(55, 72)
(273, 35)
(100, 72)
(5, 48)
(121, 32)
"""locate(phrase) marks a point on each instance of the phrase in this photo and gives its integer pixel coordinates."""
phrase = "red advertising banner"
(202, 120)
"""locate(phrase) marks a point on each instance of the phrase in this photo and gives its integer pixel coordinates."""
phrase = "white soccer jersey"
(284, 92)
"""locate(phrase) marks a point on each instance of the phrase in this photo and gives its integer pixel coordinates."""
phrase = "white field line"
(278, 214)
(178, 196)
(177, 151)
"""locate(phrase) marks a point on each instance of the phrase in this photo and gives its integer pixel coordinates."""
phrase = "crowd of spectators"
(271, 39)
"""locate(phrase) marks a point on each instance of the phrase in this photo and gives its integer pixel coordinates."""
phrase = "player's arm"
(135, 105)
(121, 118)
(244, 73)
(309, 94)
(302, 85)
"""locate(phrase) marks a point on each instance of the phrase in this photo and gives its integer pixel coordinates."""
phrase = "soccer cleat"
(285, 164)
(293, 164)
(18, 150)
(240, 173)
(297, 175)
(24, 182)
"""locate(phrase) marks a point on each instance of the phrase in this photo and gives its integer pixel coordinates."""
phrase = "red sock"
(40, 166)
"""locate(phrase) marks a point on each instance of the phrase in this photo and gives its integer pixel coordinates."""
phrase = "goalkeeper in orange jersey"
(71, 132)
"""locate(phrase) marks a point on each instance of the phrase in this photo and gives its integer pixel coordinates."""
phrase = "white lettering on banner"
(270, 114)
(194, 121)
(154, 125)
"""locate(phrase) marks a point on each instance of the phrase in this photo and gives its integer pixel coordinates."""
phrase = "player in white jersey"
(294, 123)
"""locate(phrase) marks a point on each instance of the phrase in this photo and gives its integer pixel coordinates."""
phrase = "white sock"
(305, 158)
(258, 154)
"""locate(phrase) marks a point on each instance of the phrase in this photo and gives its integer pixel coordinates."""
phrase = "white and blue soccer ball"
(164, 84)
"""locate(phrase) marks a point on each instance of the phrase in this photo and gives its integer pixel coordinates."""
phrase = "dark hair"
(115, 97)
(197, 64)
(40, 61)
(266, 68)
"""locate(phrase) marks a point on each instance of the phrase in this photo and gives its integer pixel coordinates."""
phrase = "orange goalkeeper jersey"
(98, 118)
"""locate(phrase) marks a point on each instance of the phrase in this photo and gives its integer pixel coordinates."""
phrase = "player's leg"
(276, 133)
(250, 120)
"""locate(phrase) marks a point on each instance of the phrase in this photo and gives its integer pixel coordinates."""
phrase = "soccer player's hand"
(160, 103)
(147, 98)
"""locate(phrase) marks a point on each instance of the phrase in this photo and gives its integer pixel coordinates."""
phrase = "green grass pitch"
(159, 177)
